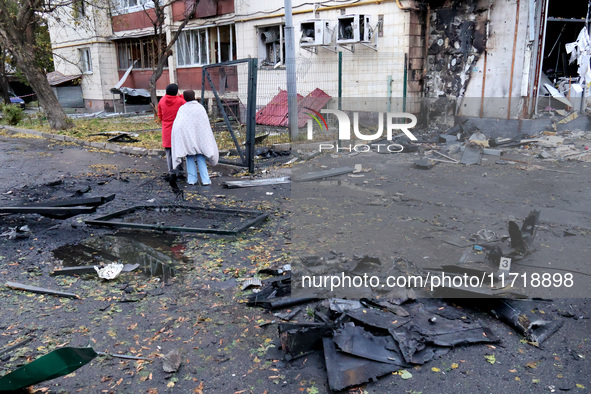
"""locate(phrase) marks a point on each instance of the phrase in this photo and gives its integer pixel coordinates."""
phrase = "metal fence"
(247, 98)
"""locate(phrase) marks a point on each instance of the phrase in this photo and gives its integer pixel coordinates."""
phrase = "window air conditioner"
(314, 32)
(354, 28)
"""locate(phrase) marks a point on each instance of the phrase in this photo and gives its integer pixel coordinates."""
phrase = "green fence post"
(405, 82)
(251, 108)
(340, 78)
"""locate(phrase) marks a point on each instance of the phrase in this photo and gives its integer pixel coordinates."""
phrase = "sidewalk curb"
(132, 150)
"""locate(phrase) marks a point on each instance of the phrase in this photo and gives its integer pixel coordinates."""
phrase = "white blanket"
(192, 134)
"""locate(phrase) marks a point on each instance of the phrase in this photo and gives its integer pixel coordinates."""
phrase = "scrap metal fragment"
(363, 264)
(302, 337)
(256, 182)
(124, 356)
(287, 302)
(287, 316)
(532, 327)
(51, 212)
(386, 306)
(57, 363)
(412, 346)
(446, 156)
(345, 370)
(340, 305)
(377, 319)
(522, 238)
(123, 137)
(16, 346)
(324, 174)
(40, 290)
(472, 155)
(73, 202)
(358, 342)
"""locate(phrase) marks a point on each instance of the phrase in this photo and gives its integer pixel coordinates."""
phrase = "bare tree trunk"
(57, 118)
(17, 34)
(4, 85)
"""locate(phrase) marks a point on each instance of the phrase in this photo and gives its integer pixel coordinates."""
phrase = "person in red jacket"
(168, 106)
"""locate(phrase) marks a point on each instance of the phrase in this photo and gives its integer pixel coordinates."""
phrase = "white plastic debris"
(251, 282)
(110, 271)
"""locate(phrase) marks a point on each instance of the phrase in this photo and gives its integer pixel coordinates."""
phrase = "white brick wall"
(365, 72)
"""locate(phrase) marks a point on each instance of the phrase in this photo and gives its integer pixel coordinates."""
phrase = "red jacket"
(168, 106)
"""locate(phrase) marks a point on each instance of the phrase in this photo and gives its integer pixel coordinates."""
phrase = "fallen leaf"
(532, 364)
(580, 386)
(404, 374)
(435, 369)
(454, 365)
(490, 358)
(199, 389)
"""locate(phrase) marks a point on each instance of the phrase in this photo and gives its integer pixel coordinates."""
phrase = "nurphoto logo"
(392, 120)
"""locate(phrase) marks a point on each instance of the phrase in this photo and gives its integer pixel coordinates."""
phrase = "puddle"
(157, 254)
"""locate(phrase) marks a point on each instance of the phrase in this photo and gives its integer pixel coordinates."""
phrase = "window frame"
(263, 48)
(120, 7)
(195, 58)
(85, 60)
(139, 52)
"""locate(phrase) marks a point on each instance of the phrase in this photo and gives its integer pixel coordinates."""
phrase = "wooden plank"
(256, 182)
(325, 174)
(40, 290)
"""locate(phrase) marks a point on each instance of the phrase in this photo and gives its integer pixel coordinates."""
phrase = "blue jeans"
(192, 170)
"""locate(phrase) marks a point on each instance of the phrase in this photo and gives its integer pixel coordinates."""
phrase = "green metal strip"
(251, 113)
(58, 363)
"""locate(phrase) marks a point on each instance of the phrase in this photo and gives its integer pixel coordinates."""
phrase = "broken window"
(224, 43)
(85, 60)
(560, 68)
(128, 6)
(141, 52)
(271, 45)
(192, 49)
(207, 45)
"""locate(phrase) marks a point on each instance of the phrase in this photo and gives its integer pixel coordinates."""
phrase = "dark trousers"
(179, 169)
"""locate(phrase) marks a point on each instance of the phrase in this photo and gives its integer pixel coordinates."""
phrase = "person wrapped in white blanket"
(193, 138)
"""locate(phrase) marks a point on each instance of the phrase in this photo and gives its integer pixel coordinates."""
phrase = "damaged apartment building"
(504, 59)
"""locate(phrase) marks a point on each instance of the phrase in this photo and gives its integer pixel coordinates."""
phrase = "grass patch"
(149, 131)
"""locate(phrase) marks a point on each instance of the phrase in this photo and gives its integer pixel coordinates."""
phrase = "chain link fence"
(321, 79)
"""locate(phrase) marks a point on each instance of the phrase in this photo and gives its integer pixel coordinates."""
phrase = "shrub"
(12, 114)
